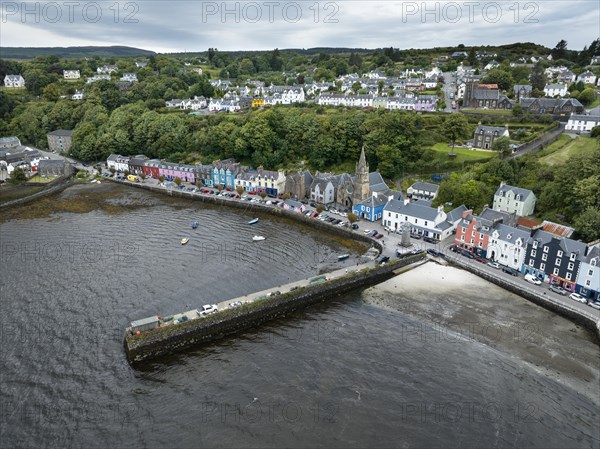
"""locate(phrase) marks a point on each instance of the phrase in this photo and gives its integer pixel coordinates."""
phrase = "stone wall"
(175, 338)
(52, 187)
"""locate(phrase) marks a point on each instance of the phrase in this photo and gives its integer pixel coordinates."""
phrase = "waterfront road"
(390, 242)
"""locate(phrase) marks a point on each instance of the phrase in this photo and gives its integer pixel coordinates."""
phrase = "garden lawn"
(462, 154)
(564, 148)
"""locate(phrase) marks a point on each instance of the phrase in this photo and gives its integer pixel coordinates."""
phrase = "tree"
(472, 57)
(220, 187)
(500, 77)
(456, 127)
(538, 79)
(17, 176)
(142, 176)
(286, 196)
(388, 160)
(352, 217)
(320, 208)
(595, 131)
(177, 181)
(517, 110)
(588, 224)
(112, 170)
(502, 146)
(587, 96)
(262, 194)
(560, 51)
(239, 190)
(161, 178)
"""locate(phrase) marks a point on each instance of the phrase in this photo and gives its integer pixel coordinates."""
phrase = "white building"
(587, 77)
(71, 74)
(582, 123)
(78, 95)
(425, 220)
(507, 245)
(14, 81)
(552, 90)
(118, 162)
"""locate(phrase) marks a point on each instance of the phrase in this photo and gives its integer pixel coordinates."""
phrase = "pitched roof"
(416, 209)
(61, 132)
(426, 186)
(504, 188)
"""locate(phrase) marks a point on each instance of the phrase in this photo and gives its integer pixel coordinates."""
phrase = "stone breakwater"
(171, 339)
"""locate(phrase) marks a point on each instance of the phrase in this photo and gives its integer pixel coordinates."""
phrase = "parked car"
(468, 255)
(433, 252)
(208, 309)
(510, 271)
(594, 304)
(373, 233)
(558, 289)
(431, 240)
(367, 231)
(577, 297)
(415, 236)
(378, 236)
(479, 259)
(494, 265)
(354, 226)
(532, 279)
(313, 204)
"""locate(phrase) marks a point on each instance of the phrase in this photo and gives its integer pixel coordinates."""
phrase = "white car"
(532, 279)
(577, 297)
(209, 308)
(494, 265)
(366, 231)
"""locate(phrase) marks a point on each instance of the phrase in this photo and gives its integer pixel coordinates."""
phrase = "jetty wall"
(174, 338)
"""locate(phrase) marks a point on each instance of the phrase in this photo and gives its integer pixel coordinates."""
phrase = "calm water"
(343, 374)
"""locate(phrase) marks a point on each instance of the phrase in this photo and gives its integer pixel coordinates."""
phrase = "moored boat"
(194, 224)
(258, 238)
(254, 220)
(184, 241)
(343, 256)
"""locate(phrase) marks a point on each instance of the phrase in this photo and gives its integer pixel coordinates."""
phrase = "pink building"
(170, 171)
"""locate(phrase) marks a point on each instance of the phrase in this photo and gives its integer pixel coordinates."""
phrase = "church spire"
(362, 162)
(361, 179)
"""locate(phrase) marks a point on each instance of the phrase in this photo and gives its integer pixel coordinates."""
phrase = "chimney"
(406, 201)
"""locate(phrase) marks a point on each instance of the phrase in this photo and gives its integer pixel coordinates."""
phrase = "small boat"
(184, 241)
(194, 224)
(343, 256)
(254, 220)
(258, 238)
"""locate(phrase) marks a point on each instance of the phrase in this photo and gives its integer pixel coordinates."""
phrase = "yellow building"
(257, 102)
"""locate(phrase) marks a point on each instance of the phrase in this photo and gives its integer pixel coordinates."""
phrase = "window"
(545, 249)
(559, 253)
(531, 262)
(542, 266)
(425, 223)
(480, 244)
(590, 272)
(557, 262)
(473, 234)
(535, 244)
(533, 253)
(568, 276)
(571, 265)
(544, 257)
(588, 283)
(572, 256)
(462, 238)
(555, 272)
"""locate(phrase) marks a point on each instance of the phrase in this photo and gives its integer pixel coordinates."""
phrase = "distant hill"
(71, 52)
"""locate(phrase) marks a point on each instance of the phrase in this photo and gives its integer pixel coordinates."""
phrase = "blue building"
(372, 208)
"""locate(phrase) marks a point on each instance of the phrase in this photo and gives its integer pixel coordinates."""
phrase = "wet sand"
(453, 305)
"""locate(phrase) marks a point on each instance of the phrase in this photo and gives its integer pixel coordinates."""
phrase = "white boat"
(254, 220)
(343, 256)
(258, 238)
(184, 241)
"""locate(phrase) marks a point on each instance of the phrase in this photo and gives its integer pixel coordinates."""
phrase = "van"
(533, 279)
(132, 178)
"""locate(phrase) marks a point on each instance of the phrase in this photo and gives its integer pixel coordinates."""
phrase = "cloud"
(175, 26)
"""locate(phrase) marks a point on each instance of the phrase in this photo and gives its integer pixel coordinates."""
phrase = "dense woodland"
(134, 121)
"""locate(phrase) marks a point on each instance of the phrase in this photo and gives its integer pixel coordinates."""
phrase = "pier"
(169, 337)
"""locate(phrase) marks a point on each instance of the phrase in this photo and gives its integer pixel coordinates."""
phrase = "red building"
(151, 168)
(473, 231)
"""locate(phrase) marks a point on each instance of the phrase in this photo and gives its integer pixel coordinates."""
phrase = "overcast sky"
(194, 25)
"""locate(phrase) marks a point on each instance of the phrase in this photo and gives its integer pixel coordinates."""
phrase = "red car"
(229, 189)
(252, 192)
(378, 236)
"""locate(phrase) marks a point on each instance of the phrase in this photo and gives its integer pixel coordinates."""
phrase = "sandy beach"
(453, 305)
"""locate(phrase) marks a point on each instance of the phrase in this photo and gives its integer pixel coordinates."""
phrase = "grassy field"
(462, 154)
(38, 178)
(564, 148)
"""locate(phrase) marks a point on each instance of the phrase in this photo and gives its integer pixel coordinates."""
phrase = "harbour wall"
(174, 338)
